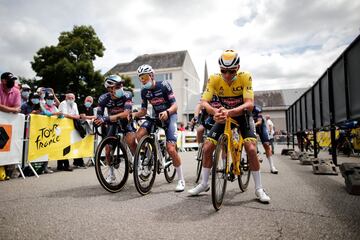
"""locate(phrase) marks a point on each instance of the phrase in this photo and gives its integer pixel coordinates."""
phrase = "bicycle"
(113, 155)
(199, 155)
(223, 170)
(150, 158)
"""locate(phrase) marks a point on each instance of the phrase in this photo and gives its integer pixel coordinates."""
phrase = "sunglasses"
(144, 77)
(231, 71)
(118, 86)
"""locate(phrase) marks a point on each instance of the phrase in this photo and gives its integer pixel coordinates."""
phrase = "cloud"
(284, 44)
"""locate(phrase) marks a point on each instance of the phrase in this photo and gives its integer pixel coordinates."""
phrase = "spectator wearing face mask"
(32, 105)
(69, 109)
(10, 100)
(87, 110)
(42, 91)
(25, 93)
(49, 108)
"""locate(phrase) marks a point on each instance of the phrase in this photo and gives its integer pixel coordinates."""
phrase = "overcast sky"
(284, 44)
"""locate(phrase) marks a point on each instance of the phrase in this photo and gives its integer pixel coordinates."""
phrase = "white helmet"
(145, 69)
(229, 59)
(112, 80)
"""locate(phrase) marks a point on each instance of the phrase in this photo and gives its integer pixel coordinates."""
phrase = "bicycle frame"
(233, 146)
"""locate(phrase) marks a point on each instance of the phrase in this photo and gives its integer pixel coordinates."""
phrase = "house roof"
(157, 61)
(278, 98)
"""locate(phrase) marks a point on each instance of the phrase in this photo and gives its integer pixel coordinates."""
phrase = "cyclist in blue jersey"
(160, 95)
(263, 133)
(119, 105)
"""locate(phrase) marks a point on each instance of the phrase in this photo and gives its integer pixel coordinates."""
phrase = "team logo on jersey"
(116, 110)
(221, 91)
(232, 102)
(237, 89)
(157, 101)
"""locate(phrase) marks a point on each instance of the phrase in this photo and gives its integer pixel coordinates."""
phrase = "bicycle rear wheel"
(145, 165)
(219, 177)
(111, 164)
(199, 163)
(170, 170)
(244, 177)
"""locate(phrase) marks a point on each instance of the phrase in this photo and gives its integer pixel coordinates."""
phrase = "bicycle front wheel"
(244, 177)
(111, 164)
(170, 170)
(145, 165)
(219, 177)
(199, 163)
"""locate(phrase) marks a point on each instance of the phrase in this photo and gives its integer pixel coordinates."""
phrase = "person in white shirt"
(271, 130)
(69, 109)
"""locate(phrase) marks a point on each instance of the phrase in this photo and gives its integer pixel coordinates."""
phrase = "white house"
(175, 67)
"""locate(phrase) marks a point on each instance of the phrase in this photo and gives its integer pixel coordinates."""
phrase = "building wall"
(183, 90)
(278, 117)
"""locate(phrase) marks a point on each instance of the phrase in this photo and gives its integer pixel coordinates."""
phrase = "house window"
(168, 76)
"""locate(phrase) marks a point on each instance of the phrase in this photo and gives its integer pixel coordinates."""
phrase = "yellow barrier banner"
(53, 138)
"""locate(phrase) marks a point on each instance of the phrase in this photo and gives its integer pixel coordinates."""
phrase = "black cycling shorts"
(247, 132)
(125, 127)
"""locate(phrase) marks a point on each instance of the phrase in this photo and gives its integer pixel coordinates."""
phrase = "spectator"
(49, 109)
(271, 130)
(10, 100)
(32, 105)
(69, 109)
(25, 93)
(42, 92)
(87, 111)
(87, 116)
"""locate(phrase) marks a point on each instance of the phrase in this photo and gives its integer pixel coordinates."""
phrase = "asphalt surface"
(72, 205)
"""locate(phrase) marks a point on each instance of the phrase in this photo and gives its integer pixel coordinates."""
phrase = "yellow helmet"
(229, 59)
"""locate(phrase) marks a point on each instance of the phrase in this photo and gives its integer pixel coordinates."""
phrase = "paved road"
(72, 205)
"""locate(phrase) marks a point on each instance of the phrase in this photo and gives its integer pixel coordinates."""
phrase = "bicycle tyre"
(244, 177)
(115, 161)
(170, 170)
(199, 163)
(219, 173)
(145, 173)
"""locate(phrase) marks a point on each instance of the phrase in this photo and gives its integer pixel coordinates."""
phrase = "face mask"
(70, 102)
(25, 94)
(10, 83)
(50, 102)
(119, 93)
(148, 85)
(42, 95)
(88, 104)
(35, 101)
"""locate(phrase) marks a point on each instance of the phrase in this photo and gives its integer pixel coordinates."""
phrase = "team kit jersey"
(230, 96)
(161, 97)
(115, 106)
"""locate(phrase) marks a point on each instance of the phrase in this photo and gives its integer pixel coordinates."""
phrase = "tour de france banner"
(11, 138)
(53, 138)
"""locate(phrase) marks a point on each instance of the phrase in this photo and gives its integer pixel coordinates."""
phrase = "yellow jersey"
(230, 96)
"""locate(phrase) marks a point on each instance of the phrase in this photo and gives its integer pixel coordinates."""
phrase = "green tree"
(69, 64)
(128, 85)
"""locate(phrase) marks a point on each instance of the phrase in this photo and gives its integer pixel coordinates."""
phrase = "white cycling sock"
(179, 173)
(205, 172)
(271, 162)
(257, 179)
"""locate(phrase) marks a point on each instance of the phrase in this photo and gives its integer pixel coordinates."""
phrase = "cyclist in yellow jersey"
(235, 93)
